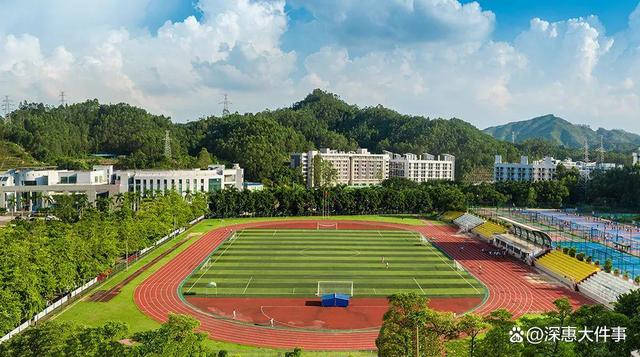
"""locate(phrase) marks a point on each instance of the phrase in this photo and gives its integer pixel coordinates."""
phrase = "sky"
(487, 62)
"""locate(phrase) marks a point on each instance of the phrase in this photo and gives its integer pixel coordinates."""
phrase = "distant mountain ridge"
(560, 131)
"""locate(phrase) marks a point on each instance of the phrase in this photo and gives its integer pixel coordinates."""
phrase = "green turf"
(290, 262)
(123, 308)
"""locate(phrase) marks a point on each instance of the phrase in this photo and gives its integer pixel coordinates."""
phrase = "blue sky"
(487, 62)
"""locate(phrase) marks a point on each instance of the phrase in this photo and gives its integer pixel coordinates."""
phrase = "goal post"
(326, 226)
(335, 287)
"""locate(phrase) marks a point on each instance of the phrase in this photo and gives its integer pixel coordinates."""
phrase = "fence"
(79, 291)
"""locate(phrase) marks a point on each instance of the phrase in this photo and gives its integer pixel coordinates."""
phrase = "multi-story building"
(362, 168)
(31, 188)
(543, 170)
(215, 178)
(636, 157)
(354, 168)
(422, 168)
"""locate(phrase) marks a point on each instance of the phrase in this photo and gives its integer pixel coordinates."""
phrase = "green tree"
(472, 325)
(176, 338)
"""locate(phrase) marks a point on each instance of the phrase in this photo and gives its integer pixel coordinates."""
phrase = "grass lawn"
(290, 262)
(123, 308)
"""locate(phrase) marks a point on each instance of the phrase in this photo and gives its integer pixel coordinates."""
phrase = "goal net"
(458, 266)
(335, 287)
(327, 225)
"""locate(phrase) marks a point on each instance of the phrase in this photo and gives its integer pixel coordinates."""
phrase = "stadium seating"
(468, 221)
(451, 215)
(488, 229)
(605, 287)
(566, 266)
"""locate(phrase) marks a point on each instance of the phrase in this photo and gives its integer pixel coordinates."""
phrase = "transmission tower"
(167, 145)
(225, 106)
(601, 149)
(62, 100)
(513, 137)
(7, 107)
(586, 150)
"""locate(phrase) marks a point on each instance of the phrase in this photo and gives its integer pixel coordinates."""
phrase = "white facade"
(422, 168)
(636, 157)
(362, 168)
(28, 189)
(355, 168)
(543, 170)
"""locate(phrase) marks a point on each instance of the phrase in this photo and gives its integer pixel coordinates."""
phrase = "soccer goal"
(327, 226)
(335, 287)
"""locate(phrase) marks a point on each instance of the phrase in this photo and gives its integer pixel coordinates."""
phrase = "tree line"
(261, 142)
(411, 328)
(41, 260)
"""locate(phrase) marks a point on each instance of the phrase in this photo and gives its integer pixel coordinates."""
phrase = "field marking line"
(246, 287)
(458, 272)
(414, 279)
(380, 234)
(232, 240)
(374, 291)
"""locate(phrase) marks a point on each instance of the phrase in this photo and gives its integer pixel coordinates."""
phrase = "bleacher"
(468, 221)
(488, 229)
(605, 287)
(449, 216)
(566, 266)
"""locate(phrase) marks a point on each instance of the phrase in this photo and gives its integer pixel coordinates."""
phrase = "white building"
(355, 168)
(215, 178)
(422, 168)
(362, 168)
(30, 188)
(543, 170)
(636, 157)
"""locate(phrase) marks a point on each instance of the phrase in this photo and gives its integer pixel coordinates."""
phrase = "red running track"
(505, 278)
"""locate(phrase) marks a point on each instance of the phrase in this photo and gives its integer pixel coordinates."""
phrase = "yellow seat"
(488, 229)
(567, 266)
(451, 215)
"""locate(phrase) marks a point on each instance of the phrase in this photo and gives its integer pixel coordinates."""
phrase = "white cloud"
(428, 57)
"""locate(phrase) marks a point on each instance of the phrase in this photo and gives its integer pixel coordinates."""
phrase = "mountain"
(552, 128)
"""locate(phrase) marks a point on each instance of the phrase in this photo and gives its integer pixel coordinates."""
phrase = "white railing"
(56, 304)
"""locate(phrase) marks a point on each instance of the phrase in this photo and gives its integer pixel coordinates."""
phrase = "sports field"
(291, 262)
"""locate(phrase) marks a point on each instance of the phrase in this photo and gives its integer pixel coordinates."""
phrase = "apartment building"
(354, 168)
(422, 168)
(543, 170)
(362, 168)
(636, 157)
(30, 189)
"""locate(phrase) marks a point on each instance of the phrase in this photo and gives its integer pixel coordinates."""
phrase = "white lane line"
(246, 287)
(414, 279)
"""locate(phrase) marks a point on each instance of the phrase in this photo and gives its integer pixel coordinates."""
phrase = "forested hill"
(552, 128)
(260, 142)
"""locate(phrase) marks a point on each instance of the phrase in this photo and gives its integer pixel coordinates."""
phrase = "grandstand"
(468, 221)
(565, 266)
(488, 229)
(449, 216)
(605, 287)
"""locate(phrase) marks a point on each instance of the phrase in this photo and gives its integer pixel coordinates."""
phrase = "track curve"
(158, 296)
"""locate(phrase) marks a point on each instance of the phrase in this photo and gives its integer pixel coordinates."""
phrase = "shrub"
(616, 272)
(572, 252)
(565, 250)
(637, 279)
(608, 265)
(223, 353)
(626, 275)
(589, 259)
(580, 256)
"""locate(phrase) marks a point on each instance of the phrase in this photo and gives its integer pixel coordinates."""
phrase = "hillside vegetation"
(261, 142)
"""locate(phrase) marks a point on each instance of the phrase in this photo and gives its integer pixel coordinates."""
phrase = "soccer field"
(291, 262)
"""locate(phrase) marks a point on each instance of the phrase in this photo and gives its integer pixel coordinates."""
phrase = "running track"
(505, 279)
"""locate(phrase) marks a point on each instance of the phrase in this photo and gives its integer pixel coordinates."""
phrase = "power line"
(225, 105)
